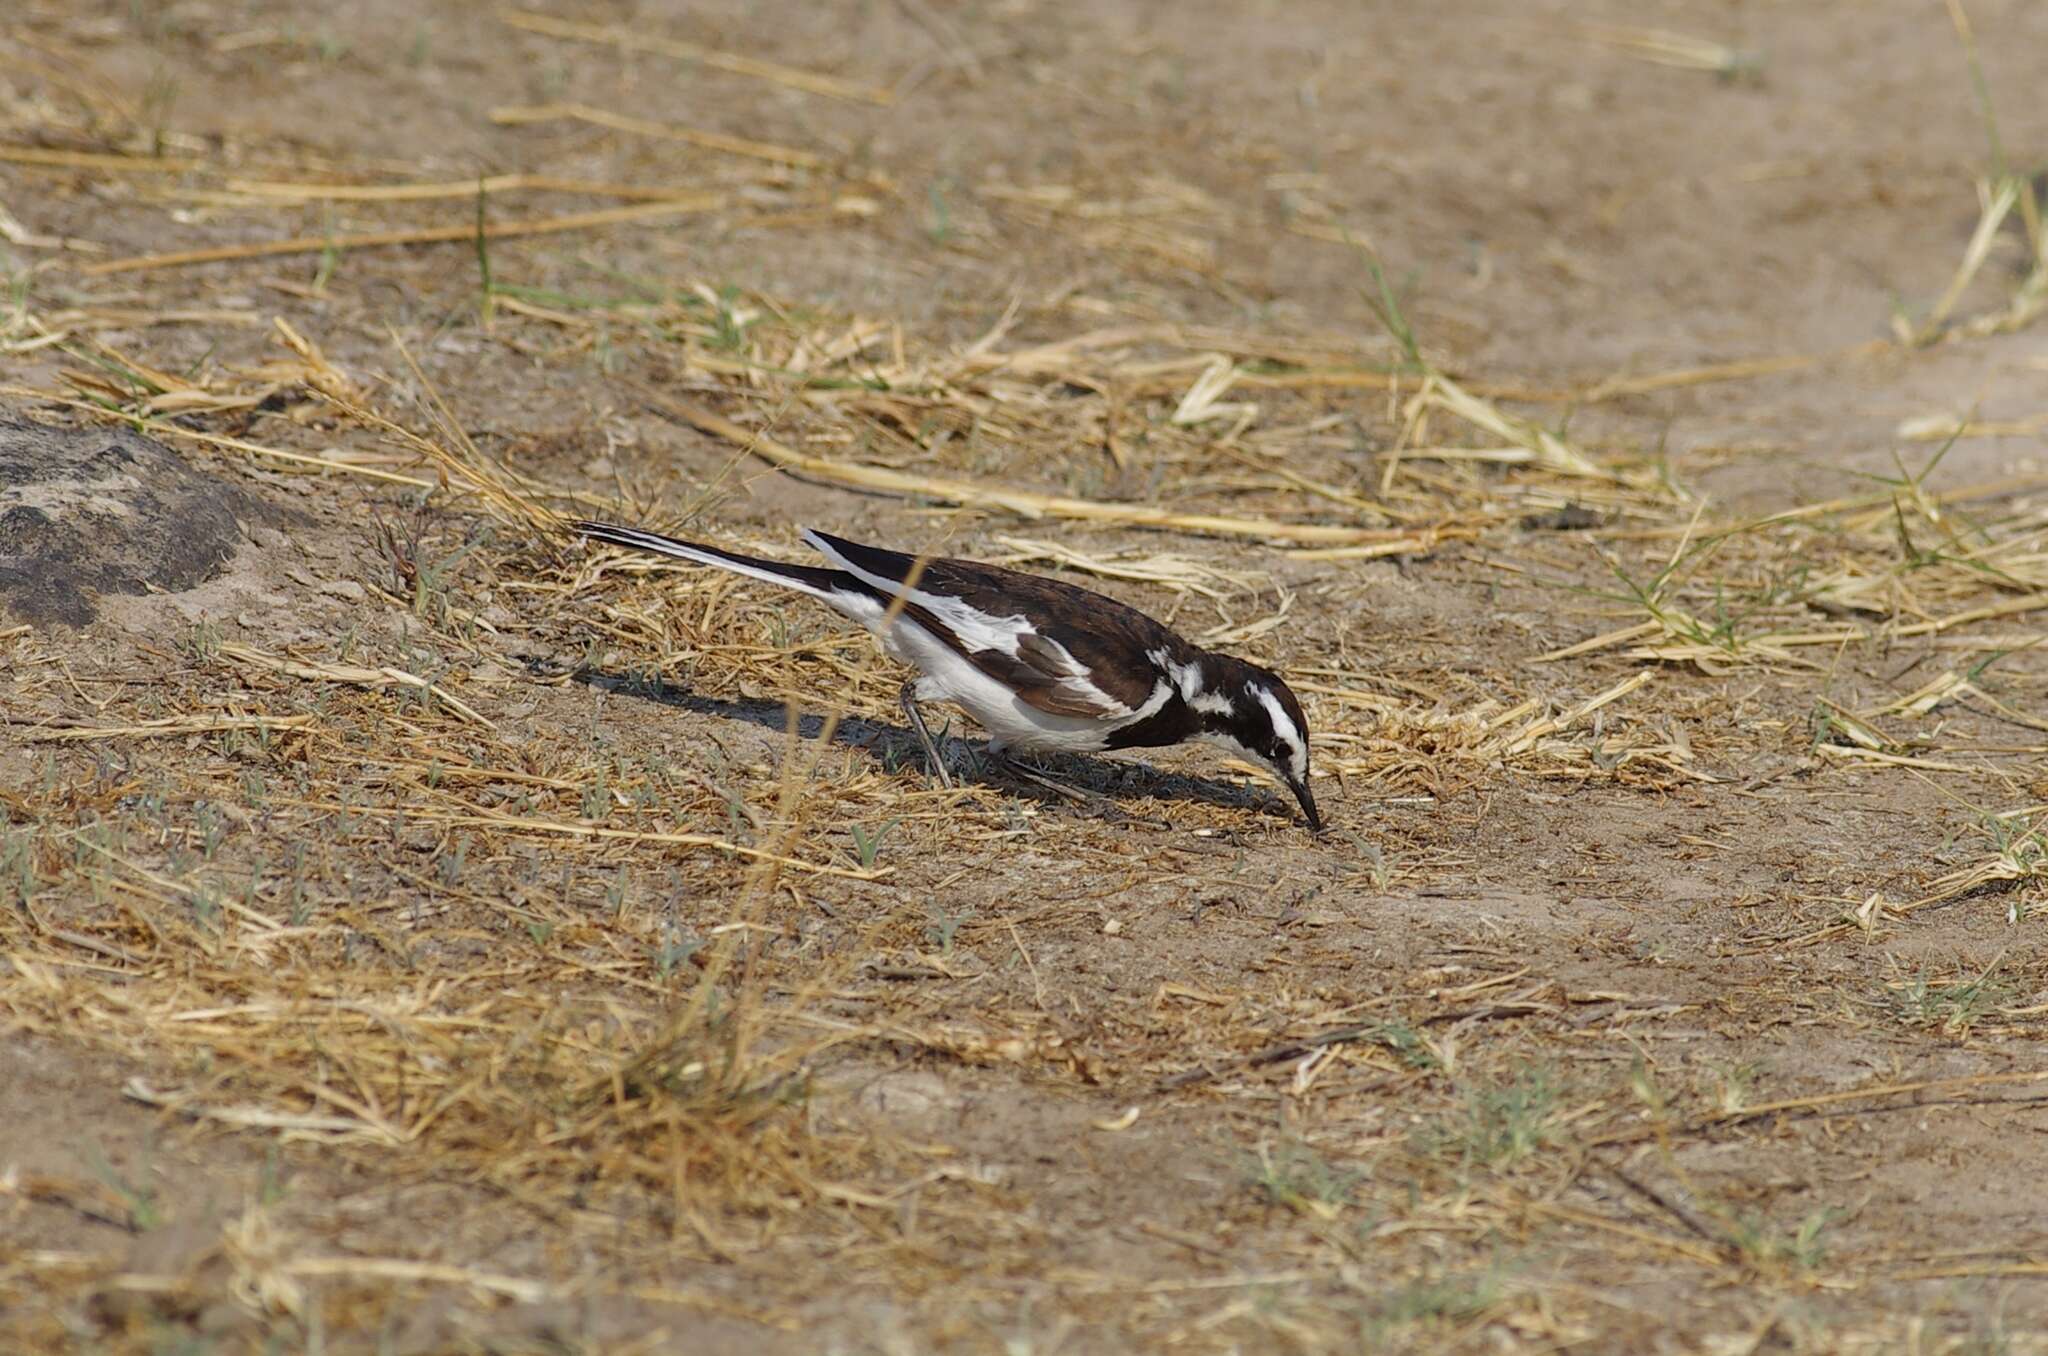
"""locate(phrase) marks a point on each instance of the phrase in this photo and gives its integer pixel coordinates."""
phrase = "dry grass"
(415, 904)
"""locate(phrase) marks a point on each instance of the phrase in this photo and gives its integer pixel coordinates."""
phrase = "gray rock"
(98, 510)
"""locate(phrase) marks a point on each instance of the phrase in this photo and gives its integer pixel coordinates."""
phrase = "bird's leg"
(924, 736)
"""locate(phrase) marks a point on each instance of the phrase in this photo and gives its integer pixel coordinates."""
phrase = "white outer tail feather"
(668, 546)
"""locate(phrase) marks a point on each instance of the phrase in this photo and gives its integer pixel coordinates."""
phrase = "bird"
(1043, 666)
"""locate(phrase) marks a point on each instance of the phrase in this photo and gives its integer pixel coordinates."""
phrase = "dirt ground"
(1626, 424)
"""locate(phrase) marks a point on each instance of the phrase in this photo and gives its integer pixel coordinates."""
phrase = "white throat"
(1229, 743)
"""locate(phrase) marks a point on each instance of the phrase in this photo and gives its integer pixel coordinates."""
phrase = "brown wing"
(1098, 634)
(1101, 635)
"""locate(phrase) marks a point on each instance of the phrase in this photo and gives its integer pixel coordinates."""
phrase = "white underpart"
(1013, 724)
(1283, 726)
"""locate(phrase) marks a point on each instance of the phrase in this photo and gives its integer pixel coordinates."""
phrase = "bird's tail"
(819, 583)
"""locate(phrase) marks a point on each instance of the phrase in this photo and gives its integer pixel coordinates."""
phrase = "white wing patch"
(1072, 683)
(976, 629)
(1153, 701)
(1078, 689)
(1187, 679)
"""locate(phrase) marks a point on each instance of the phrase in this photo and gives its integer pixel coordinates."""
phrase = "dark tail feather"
(808, 578)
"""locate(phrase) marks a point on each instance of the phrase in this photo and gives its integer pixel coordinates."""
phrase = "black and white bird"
(1043, 666)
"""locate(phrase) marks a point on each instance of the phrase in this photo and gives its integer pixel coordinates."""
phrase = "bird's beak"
(1308, 805)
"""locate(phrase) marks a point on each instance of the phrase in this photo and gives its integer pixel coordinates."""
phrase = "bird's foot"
(1102, 806)
(1025, 773)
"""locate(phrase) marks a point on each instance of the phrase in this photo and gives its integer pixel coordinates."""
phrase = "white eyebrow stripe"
(1289, 732)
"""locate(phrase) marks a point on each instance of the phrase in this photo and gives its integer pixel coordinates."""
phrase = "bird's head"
(1253, 713)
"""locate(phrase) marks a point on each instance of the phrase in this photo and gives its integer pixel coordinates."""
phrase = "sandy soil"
(1681, 1026)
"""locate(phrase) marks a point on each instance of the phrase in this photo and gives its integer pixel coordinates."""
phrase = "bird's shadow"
(896, 747)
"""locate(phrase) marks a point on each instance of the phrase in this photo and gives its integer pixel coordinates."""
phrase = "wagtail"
(1043, 666)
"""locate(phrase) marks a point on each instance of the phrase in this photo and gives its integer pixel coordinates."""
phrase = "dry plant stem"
(1941, 1087)
(167, 429)
(1274, 1054)
(2004, 195)
(503, 230)
(1879, 506)
(1744, 369)
(618, 122)
(1024, 503)
(115, 164)
(497, 485)
(354, 674)
(563, 829)
(809, 81)
(171, 725)
(460, 189)
(799, 776)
